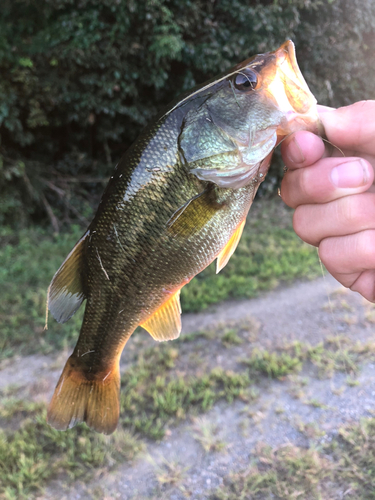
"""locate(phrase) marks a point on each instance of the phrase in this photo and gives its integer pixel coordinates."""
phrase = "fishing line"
(46, 323)
(231, 86)
(336, 333)
(334, 146)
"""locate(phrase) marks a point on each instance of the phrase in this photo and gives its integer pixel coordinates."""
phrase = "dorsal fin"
(165, 323)
(230, 247)
(66, 291)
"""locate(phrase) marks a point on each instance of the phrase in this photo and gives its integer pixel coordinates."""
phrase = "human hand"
(334, 196)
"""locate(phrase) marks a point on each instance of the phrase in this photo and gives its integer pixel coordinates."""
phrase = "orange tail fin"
(80, 399)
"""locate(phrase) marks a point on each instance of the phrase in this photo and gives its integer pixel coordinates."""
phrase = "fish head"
(250, 109)
(267, 91)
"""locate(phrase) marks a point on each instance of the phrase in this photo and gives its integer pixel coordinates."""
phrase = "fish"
(177, 200)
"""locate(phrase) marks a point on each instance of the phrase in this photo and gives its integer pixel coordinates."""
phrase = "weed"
(352, 382)
(354, 455)
(13, 407)
(344, 467)
(330, 360)
(316, 404)
(273, 364)
(285, 473)
(168, 473)
(230, 338)
(36, 452)
(206, 433)
(279, 410)
(150, 398)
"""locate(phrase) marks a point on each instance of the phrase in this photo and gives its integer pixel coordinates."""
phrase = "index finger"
(351, 127)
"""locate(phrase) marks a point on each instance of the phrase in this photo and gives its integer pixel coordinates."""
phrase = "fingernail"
(295, 152)
(350, 175)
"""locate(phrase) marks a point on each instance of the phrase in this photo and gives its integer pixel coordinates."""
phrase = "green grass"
(272, 364)
(156, 394)
(36, 452)
(347, 464)
(269, 252)
(152, 397)
(286, 473)
(29, 260)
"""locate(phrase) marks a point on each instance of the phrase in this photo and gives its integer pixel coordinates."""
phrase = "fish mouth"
(292, 95)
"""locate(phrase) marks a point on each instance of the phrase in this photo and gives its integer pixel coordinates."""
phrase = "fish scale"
(177, 200)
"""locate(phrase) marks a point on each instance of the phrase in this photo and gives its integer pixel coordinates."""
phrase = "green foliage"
(80, 79)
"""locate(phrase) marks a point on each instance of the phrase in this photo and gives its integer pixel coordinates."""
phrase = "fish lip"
(301, 112)
(289, 48)
(294, 121)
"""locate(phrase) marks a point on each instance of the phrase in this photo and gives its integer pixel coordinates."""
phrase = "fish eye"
(246, 80)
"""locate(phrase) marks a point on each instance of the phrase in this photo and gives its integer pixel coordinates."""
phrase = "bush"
(80, 79)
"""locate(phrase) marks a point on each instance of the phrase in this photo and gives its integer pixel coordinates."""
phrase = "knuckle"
(352, 212)
(288, 190)
(305, 186)
(325, 252)
(355, 213)
(367, 248)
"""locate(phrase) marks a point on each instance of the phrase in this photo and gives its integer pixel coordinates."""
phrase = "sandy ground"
(305, 311)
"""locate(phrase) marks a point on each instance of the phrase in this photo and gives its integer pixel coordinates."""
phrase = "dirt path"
(286, 314)
(178, 467)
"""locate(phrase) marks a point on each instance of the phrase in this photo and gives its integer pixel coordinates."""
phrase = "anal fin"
(66, 291)
(230, 247)
(93, 400)
(165, 323)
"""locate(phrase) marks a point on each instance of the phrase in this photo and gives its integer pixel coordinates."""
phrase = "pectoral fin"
(191, 217)
(165, 323)
(66, 291)
(230, 247)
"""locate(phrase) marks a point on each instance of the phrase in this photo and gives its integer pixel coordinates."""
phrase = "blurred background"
(78, 82)
(80, 79)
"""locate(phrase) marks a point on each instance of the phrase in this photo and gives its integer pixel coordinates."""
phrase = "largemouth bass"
(177, 200)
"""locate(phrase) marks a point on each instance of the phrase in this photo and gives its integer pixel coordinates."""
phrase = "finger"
(351, 127)
(341, 217)
(326, 180)
(365, 285)
(346, 255)
(302, 149)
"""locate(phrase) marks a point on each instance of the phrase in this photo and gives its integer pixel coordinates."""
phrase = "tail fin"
(80, 399)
